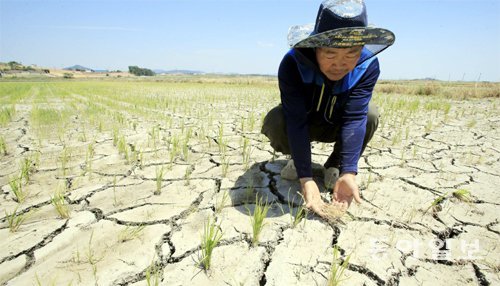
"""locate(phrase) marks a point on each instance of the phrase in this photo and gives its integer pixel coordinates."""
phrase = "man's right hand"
(312, 198)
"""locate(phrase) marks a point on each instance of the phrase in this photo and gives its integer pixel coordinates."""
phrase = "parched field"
(152, 182)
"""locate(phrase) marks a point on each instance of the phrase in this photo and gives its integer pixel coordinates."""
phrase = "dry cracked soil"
(127, 227)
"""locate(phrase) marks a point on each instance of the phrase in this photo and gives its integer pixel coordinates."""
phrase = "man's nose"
(339, 64)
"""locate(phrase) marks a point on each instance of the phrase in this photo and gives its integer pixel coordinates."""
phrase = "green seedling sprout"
(463, 195)
(211, 237)
(257, 219)
(153, 275)
(27, 168)
(219, 204)
(115, 201)
(224, 165)
(337, 268)
(437, 201)
(60, 204)
(159, 179)
(17, 189)
(15, 220)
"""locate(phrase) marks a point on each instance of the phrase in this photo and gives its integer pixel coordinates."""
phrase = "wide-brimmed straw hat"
(340, 24)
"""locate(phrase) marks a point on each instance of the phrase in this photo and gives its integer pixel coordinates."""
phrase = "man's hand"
(312, 198)
(346, 189)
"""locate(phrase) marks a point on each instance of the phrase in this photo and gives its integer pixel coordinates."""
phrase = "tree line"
(135, 70)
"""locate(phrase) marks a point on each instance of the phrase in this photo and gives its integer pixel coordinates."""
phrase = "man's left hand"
(346, 189)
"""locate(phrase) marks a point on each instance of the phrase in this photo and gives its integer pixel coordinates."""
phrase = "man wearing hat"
(326, 82)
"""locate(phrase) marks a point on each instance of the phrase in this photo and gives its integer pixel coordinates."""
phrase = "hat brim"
(298, 37)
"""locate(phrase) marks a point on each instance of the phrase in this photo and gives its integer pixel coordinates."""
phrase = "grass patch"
(6, 114)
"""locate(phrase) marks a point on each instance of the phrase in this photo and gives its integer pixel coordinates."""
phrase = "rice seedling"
(92, 257)
(185, 150)
(224, 165)
(338, 268)
(60, 204)
(14, 220)
(17, 190)
(411, 215)
(246, 152)
(3, 146)
(116, 136)
(210, 238)
(159, 179)
(435, 206)
(187, 175)
(428, 126)
(138, 158)
(463, 195)
(53, 282)
(220, 203)
(220, 139)
(64, 159)
(115, 201)
(471, 123)
(368, 181)
(297, 215)
(123, 148)
(153, 275)
(174, 150)
(83, 135)
(27, 168)
(130, 233)
(257, 218)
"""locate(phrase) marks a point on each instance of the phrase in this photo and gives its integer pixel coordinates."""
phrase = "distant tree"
(14, 65)
(135, 70)
(68, 75)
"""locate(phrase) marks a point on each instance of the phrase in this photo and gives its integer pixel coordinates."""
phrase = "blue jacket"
(309, 97)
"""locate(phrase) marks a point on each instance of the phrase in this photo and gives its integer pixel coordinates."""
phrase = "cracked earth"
(215, 163)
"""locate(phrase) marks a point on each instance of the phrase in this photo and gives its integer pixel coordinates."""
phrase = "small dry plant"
(332, 212)
(130, 233)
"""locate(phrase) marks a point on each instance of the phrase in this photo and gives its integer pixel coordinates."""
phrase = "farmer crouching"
(326, 82)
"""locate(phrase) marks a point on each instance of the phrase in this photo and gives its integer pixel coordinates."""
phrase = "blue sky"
(443, 39)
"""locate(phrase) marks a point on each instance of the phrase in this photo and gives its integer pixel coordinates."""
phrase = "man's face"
(335, 63)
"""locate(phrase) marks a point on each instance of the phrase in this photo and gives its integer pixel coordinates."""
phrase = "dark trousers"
(274, 127)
